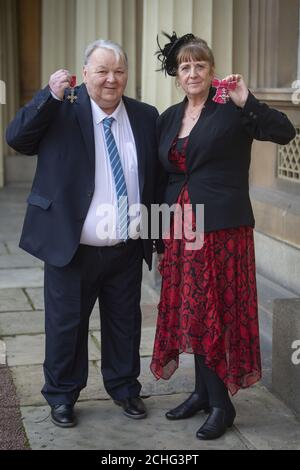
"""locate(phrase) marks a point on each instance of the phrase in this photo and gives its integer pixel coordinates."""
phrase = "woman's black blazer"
(218, 156)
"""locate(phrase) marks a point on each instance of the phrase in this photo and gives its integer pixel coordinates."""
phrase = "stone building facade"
(258, 38)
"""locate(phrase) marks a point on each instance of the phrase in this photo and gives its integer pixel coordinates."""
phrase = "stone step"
(267, 292)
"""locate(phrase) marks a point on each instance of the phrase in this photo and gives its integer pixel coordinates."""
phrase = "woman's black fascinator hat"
(167, 54)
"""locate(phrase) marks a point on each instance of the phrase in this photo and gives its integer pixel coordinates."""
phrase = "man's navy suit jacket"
(61, 133)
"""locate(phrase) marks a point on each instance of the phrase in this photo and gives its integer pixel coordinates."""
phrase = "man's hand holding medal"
(60, 81)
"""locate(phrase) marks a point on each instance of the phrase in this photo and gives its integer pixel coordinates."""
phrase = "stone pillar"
(273, 43)
(131, 36)
(77, 24)
(222, 37)
(213, 20)
(288, 42)
(241, 37)
(107, 19)
(286, 352)
(263, 43)
(203, 19)
(29, 48)
(169, 16)
(8, 73)
(149, 62)
(58, 37)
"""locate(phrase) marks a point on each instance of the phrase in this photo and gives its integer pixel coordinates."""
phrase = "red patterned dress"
(208, 302)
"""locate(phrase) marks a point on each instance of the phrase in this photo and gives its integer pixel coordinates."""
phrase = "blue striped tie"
(120, 183)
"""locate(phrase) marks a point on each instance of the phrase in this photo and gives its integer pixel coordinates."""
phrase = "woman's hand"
(240, 94)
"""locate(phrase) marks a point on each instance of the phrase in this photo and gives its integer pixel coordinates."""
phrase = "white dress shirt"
(98, 217)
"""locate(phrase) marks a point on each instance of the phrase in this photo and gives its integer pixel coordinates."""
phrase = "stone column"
(107, 19)
(273, 43)
(168, 16)
(241, 37)
(263, 43)
(288, 42)
(78, 23)
(58, 37)
(222, 36)
(212, 20)
(8, 73)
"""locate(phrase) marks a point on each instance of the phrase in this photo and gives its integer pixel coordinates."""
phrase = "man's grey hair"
(105, 44)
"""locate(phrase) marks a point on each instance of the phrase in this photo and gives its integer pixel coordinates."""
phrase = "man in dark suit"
(96, 150)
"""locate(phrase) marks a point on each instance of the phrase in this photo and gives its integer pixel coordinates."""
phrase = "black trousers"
(112, 275)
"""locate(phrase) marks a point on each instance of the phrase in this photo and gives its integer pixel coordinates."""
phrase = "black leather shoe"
(216, 424)
(188, 408)
(63, 416)
(133, 407)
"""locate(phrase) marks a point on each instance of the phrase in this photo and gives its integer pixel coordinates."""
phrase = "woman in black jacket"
(208, 303)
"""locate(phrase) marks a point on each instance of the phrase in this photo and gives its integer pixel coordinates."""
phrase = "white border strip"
(2, 353)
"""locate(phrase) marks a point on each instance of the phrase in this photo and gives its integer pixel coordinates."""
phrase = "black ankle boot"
(216, 424)
(188, 408)
(63, 416)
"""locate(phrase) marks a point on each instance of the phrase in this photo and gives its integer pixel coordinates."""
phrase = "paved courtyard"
(263, 422)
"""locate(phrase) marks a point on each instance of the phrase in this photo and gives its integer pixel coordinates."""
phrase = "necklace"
(194, 116)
